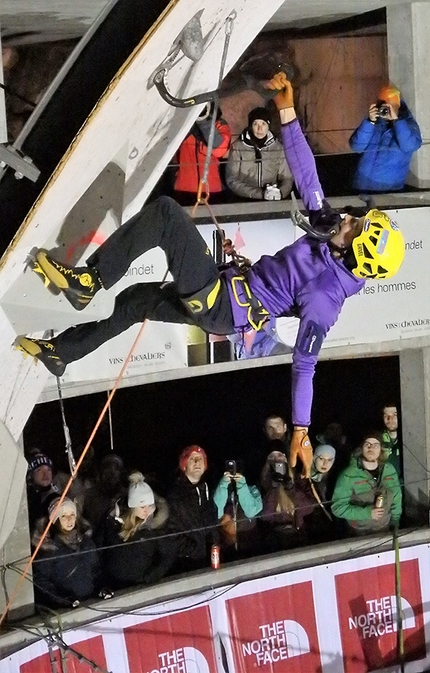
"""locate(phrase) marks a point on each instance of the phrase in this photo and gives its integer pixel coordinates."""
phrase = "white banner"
(333, 618)
(161, 346)
(398, 308)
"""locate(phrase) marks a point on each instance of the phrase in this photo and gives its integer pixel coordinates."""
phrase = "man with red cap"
(193, 512)
(387, 139)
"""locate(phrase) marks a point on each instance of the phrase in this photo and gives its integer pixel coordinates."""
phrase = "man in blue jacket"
(387, 140)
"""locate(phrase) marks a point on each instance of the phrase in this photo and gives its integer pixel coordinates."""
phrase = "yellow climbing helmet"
(380, 248)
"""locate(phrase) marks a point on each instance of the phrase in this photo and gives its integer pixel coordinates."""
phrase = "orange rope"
(69, 483)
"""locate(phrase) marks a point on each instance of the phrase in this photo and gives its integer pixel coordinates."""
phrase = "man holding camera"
(387, 140)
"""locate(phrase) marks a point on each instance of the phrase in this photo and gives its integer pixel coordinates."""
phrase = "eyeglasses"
(371, 445)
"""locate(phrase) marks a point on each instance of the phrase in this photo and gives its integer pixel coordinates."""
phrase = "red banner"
(92, 649)
(366, 602)
(275, 631)
(177, 643)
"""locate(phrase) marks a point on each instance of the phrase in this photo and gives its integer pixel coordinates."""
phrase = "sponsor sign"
(275, 630)
(389, 310)
(366, 602)
(334, 618)
(92, 649)
(178, 643)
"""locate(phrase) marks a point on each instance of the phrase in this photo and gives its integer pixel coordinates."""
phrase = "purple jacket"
(302, 279)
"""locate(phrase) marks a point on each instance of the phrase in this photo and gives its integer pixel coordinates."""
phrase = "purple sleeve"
(317, 316)
(302, 165)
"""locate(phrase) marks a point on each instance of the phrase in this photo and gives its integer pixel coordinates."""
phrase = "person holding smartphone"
(238, 504)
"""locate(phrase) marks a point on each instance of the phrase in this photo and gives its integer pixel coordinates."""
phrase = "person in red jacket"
(191, 158)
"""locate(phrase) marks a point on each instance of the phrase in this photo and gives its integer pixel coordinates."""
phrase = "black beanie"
(258, 113)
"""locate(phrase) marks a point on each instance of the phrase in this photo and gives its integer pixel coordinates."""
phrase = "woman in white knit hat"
(66, 570)
(138, 546)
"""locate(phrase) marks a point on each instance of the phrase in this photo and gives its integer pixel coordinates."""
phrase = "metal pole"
(400, 639)
(3, 125)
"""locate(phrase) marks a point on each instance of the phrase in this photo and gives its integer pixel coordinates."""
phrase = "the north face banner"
(366, 602)
(178, 643)
(275, 631)
(336, 617)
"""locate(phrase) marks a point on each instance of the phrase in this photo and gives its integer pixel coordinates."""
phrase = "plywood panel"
(130, 112)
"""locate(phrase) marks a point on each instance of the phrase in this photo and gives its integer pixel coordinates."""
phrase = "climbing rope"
(68, 440)
(204, 179)
(70, 481)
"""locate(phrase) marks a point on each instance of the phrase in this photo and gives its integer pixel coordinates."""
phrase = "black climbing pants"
(165, 224)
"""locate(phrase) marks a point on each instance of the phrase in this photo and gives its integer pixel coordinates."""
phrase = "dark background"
(223, 413)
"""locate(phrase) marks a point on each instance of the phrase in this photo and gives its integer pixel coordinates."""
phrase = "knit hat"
(140, 494)
(325, 449)
(373, 434)
(186, 453)
(259, 113)
(389, 94)
(38, 461)
(66, 506)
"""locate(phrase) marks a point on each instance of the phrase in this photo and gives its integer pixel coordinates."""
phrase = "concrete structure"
(408, 68)
(406, 27)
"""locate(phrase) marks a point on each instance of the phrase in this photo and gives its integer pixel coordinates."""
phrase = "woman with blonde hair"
(138, 547)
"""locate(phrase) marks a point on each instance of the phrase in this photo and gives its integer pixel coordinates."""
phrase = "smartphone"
(231, 467)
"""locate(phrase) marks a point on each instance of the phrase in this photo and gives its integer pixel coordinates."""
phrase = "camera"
(279, 469)
(231, 467)
(383, 108)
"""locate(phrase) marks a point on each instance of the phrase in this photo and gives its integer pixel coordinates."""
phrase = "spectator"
(110, 487)
(368, 495)
(238, 504)
(275, 428)
(139, 548)
(335, 437)
(40, 488)
(67, 569)
(281, 502)
(315, 519)
(387, 140)
(191, 158)
(256, 166)
(193, 511)
(390, 437)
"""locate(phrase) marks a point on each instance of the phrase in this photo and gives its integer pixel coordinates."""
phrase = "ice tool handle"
(299, 220)
(190, 42)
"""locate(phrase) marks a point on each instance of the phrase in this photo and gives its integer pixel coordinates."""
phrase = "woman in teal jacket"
(238, 504)
(387, 140)
(368, 493)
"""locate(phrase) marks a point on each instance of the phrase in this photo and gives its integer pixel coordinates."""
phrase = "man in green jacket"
(368, 493)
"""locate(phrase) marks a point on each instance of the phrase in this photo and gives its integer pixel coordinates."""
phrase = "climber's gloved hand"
(284, 98)
(301, 447)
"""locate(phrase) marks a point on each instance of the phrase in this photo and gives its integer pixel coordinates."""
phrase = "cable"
(188, 531)
(70, 481)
